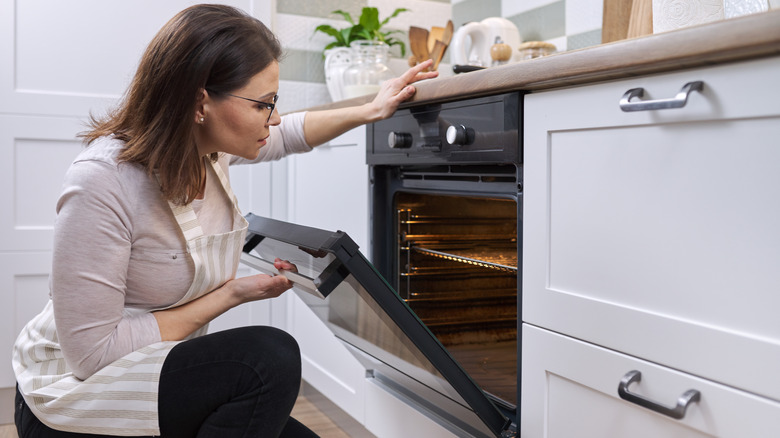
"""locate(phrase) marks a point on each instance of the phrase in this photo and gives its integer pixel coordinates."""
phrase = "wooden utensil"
(435, 33)
(418, 42)
(437, 53)
(641, 22)
(446, 37)
(616, 15)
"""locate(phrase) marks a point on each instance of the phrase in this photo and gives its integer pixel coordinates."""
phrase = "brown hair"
(204, 46)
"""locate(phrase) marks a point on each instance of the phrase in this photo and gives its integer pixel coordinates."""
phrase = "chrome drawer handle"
(677, 101)
(677, 412)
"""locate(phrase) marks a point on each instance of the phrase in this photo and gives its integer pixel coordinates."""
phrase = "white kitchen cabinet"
(328, 189)
(570, 390)
(654, 233)
(325, 362)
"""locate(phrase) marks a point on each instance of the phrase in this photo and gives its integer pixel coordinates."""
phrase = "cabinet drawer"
(655, 232)
(570, 388)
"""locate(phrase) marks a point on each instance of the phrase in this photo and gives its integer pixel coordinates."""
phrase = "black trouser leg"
(237, 383)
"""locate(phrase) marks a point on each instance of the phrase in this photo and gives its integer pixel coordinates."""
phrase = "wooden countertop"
(736, 39)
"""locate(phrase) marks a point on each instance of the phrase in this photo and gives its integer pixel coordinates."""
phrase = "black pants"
(236, 383)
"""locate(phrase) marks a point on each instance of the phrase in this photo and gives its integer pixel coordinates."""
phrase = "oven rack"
(461, 270)
(413, 219)
(463, 324)
(461, 295)
(434, 238)
(482, 256)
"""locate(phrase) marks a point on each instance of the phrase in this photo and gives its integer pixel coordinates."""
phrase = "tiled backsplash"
(568, 25)
(571, 24)
(302, 78)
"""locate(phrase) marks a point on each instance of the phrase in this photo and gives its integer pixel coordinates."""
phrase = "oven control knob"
(399, 140)
(460, 135)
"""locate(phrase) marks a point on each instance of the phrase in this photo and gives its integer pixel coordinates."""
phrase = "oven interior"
(457, 259)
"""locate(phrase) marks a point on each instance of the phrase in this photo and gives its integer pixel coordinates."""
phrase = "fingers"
(274, 286)
(284, 265)
(418, 72)
(258, 287)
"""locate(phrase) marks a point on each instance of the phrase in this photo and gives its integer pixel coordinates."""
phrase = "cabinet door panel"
(329, 187)
(61, 58)
(326, 363)
(37, 152)
(570, 389)
(24, 285)
(655, 233)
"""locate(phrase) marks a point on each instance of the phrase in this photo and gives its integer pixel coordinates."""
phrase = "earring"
(201, 120)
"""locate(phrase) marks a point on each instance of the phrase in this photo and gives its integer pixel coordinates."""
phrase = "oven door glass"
(349, 295)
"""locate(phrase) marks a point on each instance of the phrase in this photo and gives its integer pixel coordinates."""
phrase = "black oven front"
(446, 212)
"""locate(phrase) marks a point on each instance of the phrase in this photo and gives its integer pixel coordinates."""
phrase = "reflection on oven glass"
(355, 317)
(457, 263)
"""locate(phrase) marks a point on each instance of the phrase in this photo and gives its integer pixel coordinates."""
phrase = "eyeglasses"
(270, 106)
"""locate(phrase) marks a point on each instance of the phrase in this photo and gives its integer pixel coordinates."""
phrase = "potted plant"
(350, 47)
(368, 28)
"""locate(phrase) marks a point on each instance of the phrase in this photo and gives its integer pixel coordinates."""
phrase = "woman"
(147, 242)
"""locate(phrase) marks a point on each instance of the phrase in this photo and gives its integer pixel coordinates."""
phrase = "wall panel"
(37, 151)
(60, 62)
(25, 285)
(76, 57)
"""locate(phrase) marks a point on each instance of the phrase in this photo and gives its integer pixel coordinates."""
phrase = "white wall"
(59, 61)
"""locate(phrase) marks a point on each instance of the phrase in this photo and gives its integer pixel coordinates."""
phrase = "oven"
(446, 200)
(432, 311)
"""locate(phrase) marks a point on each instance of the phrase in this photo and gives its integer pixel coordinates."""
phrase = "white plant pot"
(336, 61)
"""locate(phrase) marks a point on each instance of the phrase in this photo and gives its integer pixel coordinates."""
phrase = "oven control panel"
(479, 130)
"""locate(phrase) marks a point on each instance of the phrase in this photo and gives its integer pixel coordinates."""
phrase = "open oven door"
(350, 296)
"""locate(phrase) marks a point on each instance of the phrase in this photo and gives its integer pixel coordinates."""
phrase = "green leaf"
(369, 19)
(330, 46)
(395, 14)
(347, 35)
(368, 28)
(390, 32)
(344, 14)
(394, 42)
(327, 29)
(364, 34)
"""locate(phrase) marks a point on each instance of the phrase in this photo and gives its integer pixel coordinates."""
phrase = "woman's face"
(237, 126)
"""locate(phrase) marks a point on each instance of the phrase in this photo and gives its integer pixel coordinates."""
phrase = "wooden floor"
(308, 414)
(8, 431)
(304, 411)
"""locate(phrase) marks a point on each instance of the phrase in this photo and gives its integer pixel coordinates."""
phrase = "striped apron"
(121, 398)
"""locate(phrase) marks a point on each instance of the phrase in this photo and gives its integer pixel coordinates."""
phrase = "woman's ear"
(201, 103)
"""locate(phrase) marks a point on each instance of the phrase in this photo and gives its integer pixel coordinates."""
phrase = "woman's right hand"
(179, 322)
(258, 287)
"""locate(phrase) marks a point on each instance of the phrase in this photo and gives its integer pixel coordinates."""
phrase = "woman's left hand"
(324, 125)
(394, 91)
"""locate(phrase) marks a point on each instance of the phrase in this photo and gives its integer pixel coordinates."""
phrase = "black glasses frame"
(268, 105)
